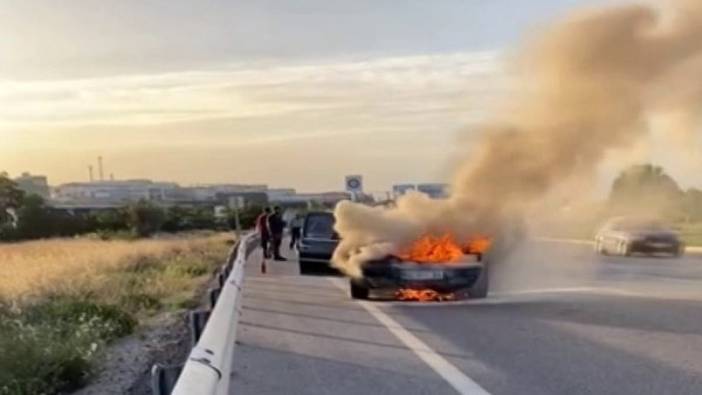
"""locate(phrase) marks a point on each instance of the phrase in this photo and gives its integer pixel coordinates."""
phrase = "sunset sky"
(288, 93)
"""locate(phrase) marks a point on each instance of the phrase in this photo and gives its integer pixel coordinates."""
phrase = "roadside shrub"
(247, 217)
(189, 267)
(145, 218)
(37, 220)
(112, 220)
(126, 235)
(50, 347)
(140, 302)
(143, 263)
(109, 322)
(8, 233)
(178, 219)
(37, 360)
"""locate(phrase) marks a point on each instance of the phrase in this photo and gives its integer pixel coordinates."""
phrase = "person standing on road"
(276, 226)
(264, 232)
(295, 229)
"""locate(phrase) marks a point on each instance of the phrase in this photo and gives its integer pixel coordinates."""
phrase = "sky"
(288, 93)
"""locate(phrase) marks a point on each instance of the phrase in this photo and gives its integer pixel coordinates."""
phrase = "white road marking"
(457, 379)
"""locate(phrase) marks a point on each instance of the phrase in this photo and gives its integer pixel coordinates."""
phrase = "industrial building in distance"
(106, 194)
(102, 193)
(115, 193)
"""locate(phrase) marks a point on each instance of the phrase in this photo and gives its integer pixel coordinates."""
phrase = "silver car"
(626, 236)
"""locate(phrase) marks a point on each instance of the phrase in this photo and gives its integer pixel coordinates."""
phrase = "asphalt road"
(559, 320)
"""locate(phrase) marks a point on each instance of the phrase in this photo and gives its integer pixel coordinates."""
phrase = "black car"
(469, 275)
(318, 240)
(626, 236)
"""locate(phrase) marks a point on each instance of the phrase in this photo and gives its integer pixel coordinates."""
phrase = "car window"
(319, 226)
(615, 226)
(633, 225)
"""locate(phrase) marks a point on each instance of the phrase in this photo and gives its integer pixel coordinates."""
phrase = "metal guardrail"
(207, 369)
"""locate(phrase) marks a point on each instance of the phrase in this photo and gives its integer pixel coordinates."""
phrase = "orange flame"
(422, 295)
(431, 249)
(478, 245)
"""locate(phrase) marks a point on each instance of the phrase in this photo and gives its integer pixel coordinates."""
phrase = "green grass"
(51, 340)
(692, 234)
(50, 346)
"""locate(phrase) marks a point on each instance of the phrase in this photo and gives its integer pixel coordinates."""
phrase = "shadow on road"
(338, 338)
(319, 317)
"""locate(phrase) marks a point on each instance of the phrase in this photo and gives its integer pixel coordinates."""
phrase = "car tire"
(479, 290)
(599, 248)
(359, 291)
(623, 248)
(679, 252)
(307, 267)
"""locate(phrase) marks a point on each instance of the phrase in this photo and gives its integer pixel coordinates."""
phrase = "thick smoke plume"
(587, 85)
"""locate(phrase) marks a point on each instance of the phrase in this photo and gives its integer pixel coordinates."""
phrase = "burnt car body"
(318, 240)
(469, 275)
(626, 236)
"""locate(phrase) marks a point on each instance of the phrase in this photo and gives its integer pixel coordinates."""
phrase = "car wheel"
(479, 290)
(306, 267)
(679, 252)
(359, 291)
(599, 248)
(623, 248)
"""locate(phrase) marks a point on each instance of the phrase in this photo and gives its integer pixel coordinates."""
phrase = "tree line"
(26, 216)
(648, 189)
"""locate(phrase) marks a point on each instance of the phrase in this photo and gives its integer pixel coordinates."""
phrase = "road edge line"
(449, 372)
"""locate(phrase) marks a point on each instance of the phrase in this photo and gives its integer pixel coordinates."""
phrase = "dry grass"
(83, 266)
(62, 301)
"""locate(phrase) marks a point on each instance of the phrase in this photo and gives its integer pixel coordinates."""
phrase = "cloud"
(381, 88)
(393, 117)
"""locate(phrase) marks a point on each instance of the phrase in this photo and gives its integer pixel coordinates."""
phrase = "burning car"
(432, 269)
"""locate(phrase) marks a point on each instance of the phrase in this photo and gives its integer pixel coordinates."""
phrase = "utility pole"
(236, 203)
(100, 170)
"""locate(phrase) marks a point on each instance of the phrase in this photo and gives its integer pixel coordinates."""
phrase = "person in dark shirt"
(264, 232)
(276, 226)
(296, 229)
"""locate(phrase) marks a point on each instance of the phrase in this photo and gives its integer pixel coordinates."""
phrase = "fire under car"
(462, 274)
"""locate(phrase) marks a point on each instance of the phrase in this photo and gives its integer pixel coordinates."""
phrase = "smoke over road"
(587, 85)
